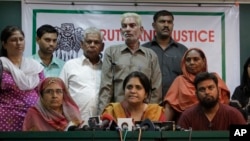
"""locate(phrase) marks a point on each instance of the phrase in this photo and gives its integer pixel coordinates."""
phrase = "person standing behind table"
(120, 60)
(137, 89)
(55, 110)
(209, 113)
(169, 52)
(82, 75)
(47, 42)
(242, 92)
(181, 94)
(20, 79)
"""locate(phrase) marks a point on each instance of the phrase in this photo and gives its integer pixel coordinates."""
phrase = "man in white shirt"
(82, 75)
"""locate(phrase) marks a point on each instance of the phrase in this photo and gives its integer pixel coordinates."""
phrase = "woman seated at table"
(137, 89)
(55, 109)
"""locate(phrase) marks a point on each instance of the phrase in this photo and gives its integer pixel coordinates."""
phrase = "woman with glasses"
(55, 109)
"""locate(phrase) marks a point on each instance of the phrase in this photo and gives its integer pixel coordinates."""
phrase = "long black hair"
(245, 79)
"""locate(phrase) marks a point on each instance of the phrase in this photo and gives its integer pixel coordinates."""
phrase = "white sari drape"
(27, 76)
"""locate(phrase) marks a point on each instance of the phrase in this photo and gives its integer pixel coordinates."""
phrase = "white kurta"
(83, 81)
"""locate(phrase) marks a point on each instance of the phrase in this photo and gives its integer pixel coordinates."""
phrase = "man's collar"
(172, 41)
(125, 48)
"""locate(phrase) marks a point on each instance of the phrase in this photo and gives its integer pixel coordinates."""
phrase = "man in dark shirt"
(169, 52)
(209, 113)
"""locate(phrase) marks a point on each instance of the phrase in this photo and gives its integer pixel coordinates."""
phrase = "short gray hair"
(91, 30)
(135, 15)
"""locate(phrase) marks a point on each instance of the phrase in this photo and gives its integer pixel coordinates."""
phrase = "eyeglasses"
(52, 91)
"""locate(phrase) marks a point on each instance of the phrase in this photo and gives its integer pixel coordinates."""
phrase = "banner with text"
(213, 29)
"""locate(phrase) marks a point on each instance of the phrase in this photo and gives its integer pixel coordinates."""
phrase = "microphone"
(85, 128)
(125, 124)
(147, 125)
(76, 128)
(108, 122)
(94, 123)
(179, 128)
(72, 128)
(157, 125)
(136, 127)
(168, 126)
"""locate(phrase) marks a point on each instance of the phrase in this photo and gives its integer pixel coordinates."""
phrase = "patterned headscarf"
(58, 121)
